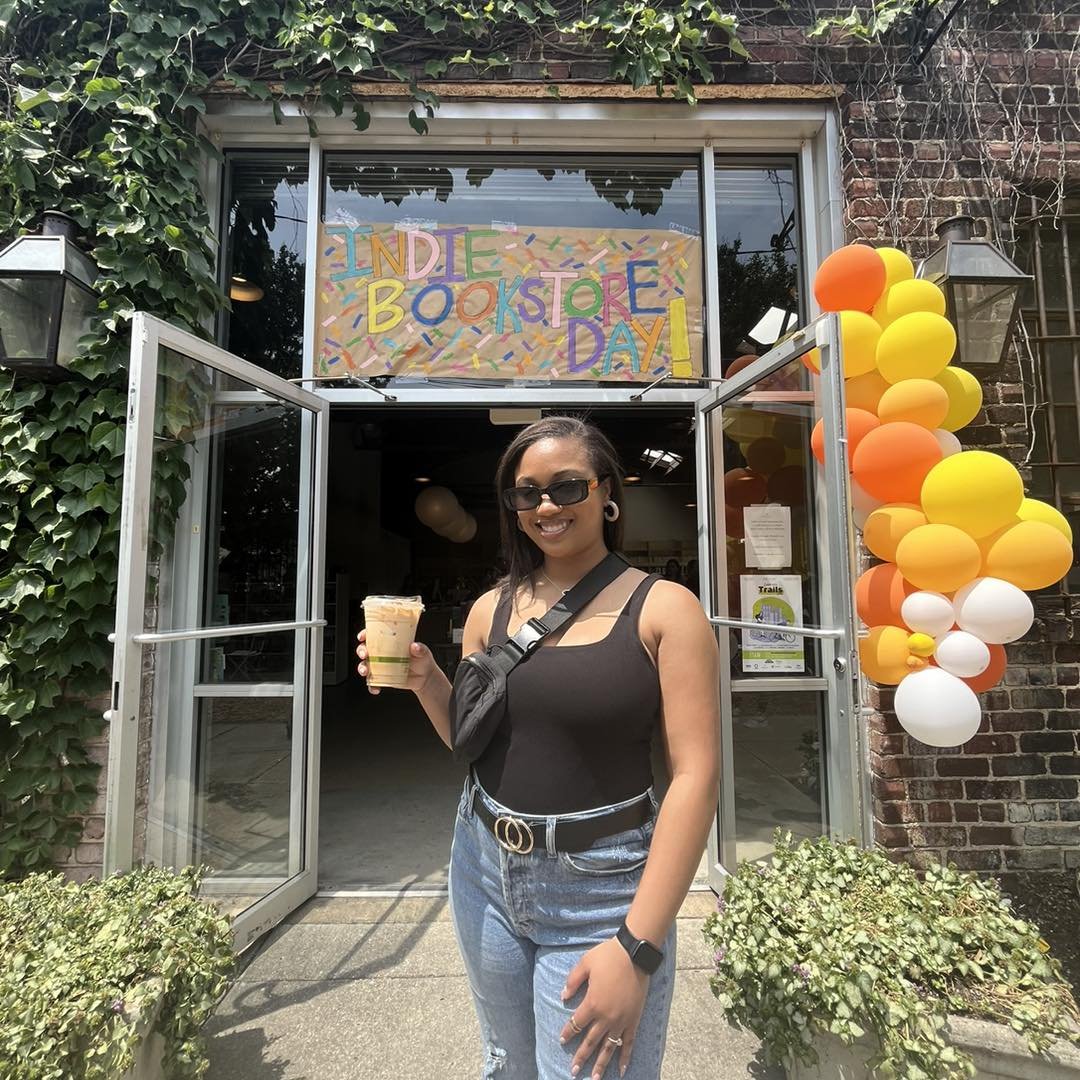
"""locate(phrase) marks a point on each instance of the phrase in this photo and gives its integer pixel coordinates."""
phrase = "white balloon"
(454, 524)
(948, 442)
(937, 708)
(437, 507)
(962, 654)
(861, 501)
(464, 532)
(859, 517)
(995, 611)
(928, 612)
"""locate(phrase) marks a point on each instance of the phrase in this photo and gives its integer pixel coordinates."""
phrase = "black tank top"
(579, 720)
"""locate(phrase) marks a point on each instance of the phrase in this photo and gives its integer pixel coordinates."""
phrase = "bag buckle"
(513, 834)
(529, 636)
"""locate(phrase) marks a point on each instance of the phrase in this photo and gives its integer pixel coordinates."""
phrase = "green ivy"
(82, 965)
(834, 938)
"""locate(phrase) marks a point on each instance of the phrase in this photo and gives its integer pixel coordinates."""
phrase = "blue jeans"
(522, 923)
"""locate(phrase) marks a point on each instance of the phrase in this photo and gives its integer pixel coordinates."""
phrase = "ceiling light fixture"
(661, 459)
(243, 290)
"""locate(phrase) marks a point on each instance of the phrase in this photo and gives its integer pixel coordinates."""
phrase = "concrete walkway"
(366, 989)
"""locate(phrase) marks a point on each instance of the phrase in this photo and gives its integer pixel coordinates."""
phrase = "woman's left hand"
(612, 1005)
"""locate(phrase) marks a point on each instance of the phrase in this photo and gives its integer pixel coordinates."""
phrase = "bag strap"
(529, 637)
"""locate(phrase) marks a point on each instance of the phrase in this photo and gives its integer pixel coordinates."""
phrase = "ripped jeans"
(523, 921)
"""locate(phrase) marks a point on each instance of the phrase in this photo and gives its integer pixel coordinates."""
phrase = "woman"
(539, 905)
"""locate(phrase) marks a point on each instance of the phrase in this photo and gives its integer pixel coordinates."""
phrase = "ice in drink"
(391, 627)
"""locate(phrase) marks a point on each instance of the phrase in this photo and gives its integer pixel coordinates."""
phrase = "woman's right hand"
(421, 664)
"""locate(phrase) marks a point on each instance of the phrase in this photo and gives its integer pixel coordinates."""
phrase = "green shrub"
(79, 964)
(835, 938)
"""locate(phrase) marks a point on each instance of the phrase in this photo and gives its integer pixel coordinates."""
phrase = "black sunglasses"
(561, 493)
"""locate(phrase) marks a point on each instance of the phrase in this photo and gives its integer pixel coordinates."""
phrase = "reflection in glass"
(758, 253)
(247, 514)
(215, 785)
(265, 259)
(779, 768)
(765, 499)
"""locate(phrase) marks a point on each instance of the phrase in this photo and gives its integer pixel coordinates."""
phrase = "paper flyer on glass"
(774, 601)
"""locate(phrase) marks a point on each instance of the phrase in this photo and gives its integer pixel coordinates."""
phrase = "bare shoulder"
(671, 608)
(478, 621)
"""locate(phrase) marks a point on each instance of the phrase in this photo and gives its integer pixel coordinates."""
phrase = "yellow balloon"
(907, 297)
(887, 525)
(864, 391)
(922, 644)
(898, 267)
(1031, 555)
(884, 654)
(859, 335)
(1034, 510)
(974, 490)
(965, 397)
(916, 346)
(940, 558)
(918, 401)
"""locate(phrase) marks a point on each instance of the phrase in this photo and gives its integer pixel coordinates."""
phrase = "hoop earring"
(611, 511)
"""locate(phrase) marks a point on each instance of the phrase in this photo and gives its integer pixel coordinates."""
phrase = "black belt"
(522, 833)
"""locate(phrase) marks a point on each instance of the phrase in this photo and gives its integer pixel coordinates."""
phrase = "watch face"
(648, 957)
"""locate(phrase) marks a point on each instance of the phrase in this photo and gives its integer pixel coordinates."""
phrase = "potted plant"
(108, 979)
(847, 964)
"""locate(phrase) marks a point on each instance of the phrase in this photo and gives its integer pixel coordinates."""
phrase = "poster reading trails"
(774, 601)
(510, 302)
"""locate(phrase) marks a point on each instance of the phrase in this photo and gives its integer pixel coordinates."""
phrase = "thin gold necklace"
(553, 585)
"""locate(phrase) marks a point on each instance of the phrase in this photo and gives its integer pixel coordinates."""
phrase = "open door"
(214, 738)
(776, 579)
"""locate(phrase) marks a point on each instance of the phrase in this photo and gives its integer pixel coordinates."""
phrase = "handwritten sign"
(508, 302)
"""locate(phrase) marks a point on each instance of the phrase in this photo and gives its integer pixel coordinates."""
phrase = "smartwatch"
(647, 957)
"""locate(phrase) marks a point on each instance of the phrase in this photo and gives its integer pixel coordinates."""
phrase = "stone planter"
(999, 1053)
(149, 1050)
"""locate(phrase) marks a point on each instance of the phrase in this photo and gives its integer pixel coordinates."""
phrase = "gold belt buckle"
(513, 834)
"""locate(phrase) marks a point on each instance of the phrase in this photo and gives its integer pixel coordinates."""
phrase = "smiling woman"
(572, 962)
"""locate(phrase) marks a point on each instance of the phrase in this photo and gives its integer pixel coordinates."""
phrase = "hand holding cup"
(421, 664)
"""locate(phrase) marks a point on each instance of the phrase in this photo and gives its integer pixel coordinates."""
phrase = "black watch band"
(647, 957)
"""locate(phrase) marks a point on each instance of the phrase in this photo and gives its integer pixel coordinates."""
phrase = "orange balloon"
(765, 455)
(887, 525)
(851, 279)
(865, 391)
(892, 461)
(738, 364)
(989, 678)
(859, 423)
(744, 487)
(787, 486)
(1030, 554)
(918, 401)
(884, 654)
(939, 558)
(878, 596)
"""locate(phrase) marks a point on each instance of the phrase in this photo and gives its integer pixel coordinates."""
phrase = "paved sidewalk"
(366, 989)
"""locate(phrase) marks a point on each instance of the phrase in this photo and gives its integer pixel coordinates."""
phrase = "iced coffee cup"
(391, 627)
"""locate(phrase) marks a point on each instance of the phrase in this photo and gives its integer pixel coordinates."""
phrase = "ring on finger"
(615, 1040)
(573, 1024)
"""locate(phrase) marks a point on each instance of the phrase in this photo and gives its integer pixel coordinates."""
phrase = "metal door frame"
(845, 774)
(149, 336)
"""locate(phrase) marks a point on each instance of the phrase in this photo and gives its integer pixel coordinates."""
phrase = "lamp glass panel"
(75, 317)
(977, 259)
(983, 311)
(28, 308)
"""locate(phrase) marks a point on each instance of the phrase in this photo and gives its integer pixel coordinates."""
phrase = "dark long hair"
(520, 556)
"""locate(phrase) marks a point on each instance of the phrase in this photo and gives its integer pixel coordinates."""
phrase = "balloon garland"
(960, 543)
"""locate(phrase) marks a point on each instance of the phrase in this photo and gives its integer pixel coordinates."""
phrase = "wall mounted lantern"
(47, 299)
(982, 291)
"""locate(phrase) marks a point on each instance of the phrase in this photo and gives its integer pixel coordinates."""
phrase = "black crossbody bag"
(478, 699)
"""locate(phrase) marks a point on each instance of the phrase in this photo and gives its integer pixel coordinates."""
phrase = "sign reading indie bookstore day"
(508, 302)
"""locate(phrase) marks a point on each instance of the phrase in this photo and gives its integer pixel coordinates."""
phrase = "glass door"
(214, 740)
(776, 579)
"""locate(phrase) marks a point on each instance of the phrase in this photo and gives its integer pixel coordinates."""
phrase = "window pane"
(471, 268)
(758, 252)
(266, 235)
